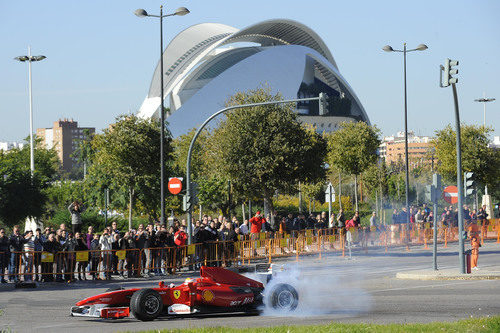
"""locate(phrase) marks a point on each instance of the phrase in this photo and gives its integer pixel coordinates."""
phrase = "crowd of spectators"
(156, 249)
(448, 218)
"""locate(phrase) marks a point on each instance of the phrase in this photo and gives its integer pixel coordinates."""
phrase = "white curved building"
(208, 62)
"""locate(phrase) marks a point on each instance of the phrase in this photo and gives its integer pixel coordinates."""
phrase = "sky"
(101, 57)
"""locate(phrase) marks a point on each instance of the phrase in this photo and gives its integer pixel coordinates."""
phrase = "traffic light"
(469, 184)
(449, 71)
(428, 193)
(323, 104)
(186, 203)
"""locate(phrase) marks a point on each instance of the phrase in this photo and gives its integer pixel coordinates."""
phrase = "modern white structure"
(207, 63)
(6, 146)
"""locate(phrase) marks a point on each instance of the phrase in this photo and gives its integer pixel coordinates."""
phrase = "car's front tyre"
(146, 304)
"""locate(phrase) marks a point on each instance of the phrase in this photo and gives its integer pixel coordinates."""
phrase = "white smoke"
(319, 292)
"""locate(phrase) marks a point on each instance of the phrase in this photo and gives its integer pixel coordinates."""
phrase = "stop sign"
(174, 185)
(450, 194)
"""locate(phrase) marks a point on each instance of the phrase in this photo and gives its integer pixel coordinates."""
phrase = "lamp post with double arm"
(181, 11)
(388, 48)
(29, 58)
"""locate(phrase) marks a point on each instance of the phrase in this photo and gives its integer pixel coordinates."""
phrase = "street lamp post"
(181, 11)
(388, 48)
(484, 100)
(29, 58)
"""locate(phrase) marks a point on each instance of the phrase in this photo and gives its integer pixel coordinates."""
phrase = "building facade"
(6, 146)
(208, 62)
(64, 137)
(392, 150)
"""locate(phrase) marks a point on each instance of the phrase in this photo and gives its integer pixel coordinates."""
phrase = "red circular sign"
(175, 185)
(450, 194)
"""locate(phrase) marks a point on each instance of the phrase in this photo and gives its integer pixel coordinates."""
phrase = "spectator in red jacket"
(180, 237)
(256, 223)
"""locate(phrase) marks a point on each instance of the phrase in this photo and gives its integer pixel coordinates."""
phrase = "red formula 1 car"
(217, 290)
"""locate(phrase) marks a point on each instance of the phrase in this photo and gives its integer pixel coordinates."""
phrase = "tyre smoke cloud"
(319, 294)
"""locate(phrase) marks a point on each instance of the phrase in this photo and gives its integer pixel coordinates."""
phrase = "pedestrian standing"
(76, 209)
(475, 244)
(4, 254)
(16, 242)
(106, 242)
(28, 256)
(256, 225)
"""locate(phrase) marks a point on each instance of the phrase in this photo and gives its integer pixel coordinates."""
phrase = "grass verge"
(485, 324)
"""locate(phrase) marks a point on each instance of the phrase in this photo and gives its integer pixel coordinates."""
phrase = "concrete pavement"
(363, 289)
(488, 272)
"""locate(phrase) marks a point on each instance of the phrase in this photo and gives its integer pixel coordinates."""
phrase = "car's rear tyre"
(146, 304)
(284, 298)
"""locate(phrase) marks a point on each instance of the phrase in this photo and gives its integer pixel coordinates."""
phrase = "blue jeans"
(14, 266)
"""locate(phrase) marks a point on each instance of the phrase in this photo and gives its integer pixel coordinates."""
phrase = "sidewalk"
(484, 273)
(489, 270)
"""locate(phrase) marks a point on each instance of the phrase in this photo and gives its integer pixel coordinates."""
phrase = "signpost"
(175, 185)
(435, 189)
(450, 194)
(330, 197)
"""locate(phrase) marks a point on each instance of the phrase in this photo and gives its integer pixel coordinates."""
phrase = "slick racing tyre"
(146, 304)
(284, 298)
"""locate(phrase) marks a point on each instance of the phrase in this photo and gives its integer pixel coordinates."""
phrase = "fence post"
(445, 237)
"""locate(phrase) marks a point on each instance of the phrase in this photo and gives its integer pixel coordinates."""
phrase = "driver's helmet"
(188, 280)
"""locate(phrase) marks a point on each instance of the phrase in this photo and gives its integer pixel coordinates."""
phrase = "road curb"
(445, 276)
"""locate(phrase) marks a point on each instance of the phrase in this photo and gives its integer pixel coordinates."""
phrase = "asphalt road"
(363, 289)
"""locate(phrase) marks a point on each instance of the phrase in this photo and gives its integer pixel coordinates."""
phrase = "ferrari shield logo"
(177, 294)
(208, 295)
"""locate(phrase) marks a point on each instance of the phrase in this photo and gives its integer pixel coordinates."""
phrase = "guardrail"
(101, 264)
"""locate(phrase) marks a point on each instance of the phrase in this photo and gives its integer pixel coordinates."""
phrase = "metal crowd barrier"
(101, 264)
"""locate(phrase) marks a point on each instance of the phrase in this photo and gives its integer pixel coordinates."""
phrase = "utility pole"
(449, 71)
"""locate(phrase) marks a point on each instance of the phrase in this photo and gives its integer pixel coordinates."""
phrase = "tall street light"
(181, 11)
(388, 48)
(484, 100)
(29, 58)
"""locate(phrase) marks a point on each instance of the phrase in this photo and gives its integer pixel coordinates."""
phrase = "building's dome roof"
(205, 56)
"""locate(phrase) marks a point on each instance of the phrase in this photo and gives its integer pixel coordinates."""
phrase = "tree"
(353, 148)
(181, 148)
(375, 180)
(127, 154)
(476, 156)
(265, 149)
(21, 195)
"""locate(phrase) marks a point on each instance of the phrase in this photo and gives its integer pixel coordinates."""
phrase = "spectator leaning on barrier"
(16, 242)
(37, 258)
(4, 254)
(89, 236)
(76, 209)
(419, 216)
(81, 245)
(70, 257)
(28, 248)
(52, 246)
(106, 242)
(95, 257)
(244, 228)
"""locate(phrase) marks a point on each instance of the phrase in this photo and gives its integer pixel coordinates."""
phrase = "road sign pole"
(460, 184)
(436, 189)
(330, 209)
